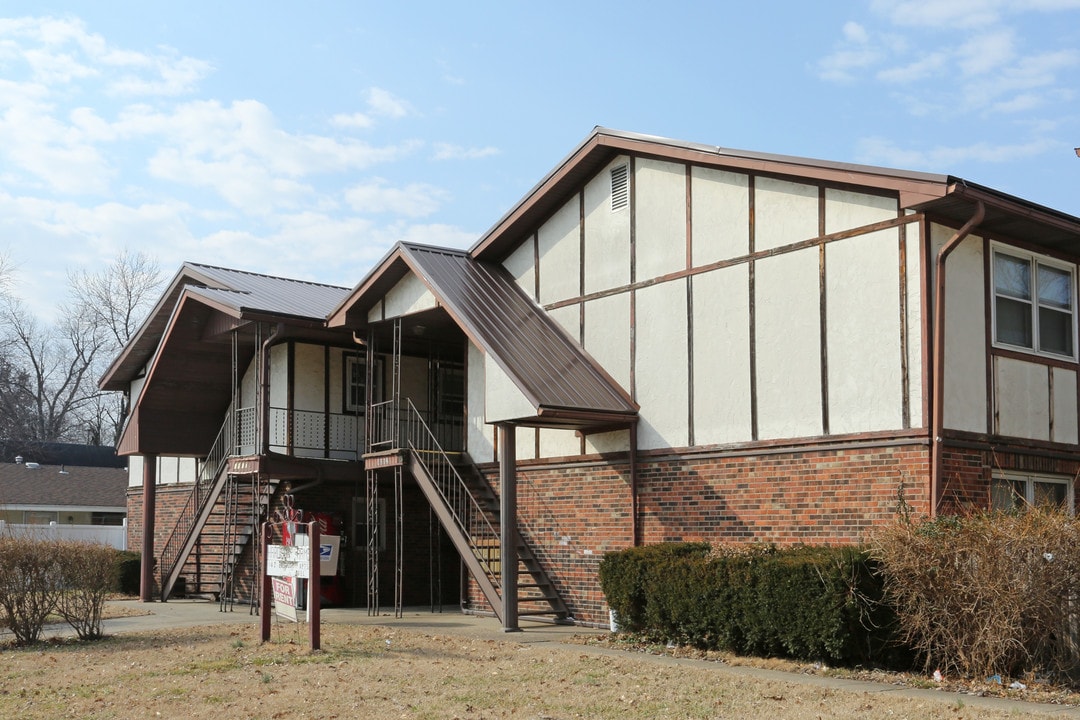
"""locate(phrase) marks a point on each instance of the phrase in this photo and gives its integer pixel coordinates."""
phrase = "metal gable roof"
(246, 291)
(235, 291)
(552, 370)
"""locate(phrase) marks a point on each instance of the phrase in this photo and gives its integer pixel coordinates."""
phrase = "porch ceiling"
(188, 386)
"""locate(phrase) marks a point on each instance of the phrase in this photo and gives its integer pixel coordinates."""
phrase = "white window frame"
(349, 360)
(1034, 260)
(1029, 480)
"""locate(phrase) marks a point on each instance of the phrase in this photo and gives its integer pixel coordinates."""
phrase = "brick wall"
(170, 501)
(966, 472)
(572, 514)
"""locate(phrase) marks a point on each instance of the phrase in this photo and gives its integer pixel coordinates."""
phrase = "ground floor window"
(1014, 491)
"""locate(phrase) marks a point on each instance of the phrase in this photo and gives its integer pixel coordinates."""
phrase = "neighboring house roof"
(75, 486)
(244, 295)
(54, 453)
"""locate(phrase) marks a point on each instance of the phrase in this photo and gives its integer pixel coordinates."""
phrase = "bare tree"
(54, 378)
(48, 373)
(114, 301)
(119, 297)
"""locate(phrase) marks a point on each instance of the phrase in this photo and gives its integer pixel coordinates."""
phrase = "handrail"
(217, 459)
(482, 537)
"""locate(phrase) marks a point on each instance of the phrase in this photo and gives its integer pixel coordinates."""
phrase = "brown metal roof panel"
(548, 366)
(274, 295)
(234, 289)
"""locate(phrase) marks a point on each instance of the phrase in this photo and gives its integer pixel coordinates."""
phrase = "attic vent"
(620, 187)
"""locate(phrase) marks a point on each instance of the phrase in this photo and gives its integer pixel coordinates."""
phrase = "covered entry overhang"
(531, 372)
(190, 380)
(456, 294)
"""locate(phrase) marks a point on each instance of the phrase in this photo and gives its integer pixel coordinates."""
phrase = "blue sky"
(305, 141)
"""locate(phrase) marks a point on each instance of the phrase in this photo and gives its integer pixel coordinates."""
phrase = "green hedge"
(811, 603)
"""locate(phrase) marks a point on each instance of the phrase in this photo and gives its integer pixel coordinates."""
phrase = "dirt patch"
(365, 671)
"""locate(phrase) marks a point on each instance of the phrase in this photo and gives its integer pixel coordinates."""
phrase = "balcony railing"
(306, 433)
(390, 427)
(340, 436)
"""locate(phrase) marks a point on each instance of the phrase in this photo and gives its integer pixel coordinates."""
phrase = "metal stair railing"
(174, 554)
(468, 525)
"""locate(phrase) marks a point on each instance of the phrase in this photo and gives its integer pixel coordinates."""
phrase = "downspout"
(635, 532)
(938, 371)
(264, 391)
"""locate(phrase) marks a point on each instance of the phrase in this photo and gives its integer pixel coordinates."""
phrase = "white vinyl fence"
(112, 535)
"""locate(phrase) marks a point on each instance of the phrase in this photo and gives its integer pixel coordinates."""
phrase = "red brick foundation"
(573, 513)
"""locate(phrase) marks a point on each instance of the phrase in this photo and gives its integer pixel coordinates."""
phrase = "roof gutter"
(938, 370)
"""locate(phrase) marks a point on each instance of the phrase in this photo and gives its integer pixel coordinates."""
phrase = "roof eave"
(603, 144)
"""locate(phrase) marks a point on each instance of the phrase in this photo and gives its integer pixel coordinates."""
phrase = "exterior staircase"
(231, 514)
(468, 510)
(219, 520)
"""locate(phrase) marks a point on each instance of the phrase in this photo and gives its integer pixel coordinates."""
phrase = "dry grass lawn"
(374, 672)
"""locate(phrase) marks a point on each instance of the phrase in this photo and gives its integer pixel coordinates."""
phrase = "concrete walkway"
(191, 613)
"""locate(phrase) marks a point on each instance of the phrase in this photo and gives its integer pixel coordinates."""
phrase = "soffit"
(1006, 216)
(245, 295)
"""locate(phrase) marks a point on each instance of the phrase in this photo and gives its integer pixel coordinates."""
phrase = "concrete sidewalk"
(192, 613)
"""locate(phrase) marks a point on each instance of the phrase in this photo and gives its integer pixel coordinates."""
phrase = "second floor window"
(1033, 303)
(355, 383)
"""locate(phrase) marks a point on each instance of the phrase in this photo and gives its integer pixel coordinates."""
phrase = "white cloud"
(384, 103)
(58, 154)
(413, 200)
(352, 120)
(447, 151)
(939, 14)
(173, 76)
(986, 52)
(883, 151)
(60, 51)
(926, 66)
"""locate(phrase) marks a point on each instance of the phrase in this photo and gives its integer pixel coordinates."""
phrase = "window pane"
(355, 377)
(1049, 494)
(1055, 287)
(1055, 331)
(1014, 322)
(1012, 276)
(1002, 495)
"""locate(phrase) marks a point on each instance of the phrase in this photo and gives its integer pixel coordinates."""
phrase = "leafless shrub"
(29, 584)
(90, 572)
(986, 593)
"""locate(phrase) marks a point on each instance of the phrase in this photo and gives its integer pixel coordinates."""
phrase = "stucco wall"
(965, 333)
(722, 356)
(863, 331)
(788, 345)
(688, 347)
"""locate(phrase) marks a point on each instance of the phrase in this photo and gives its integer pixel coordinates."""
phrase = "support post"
(314, 585)
(508, 561)
(146, 572)
(267, 591)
